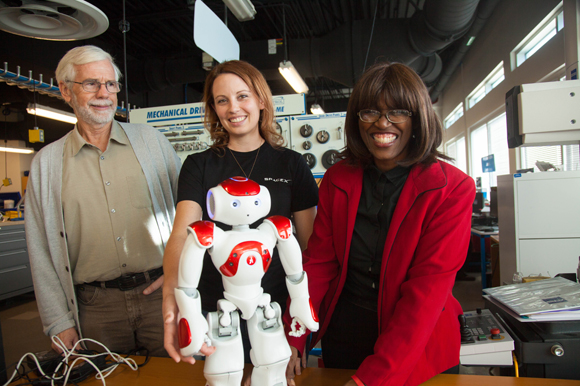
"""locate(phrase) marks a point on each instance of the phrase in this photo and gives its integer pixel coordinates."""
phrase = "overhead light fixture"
(316, 109)
(243, 10)
(16, 150)
(292, 76)
(49, 112)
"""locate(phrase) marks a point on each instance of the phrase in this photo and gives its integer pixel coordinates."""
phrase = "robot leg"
(225, 367)
(270, 351)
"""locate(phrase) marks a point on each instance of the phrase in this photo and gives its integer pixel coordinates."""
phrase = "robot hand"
(193, 326)
(299, 324)
(301, 310)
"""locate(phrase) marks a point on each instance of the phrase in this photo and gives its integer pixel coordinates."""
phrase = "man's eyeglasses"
(93, 85)
(393, 116)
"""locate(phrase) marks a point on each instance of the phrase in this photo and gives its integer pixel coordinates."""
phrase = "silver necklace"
(254, 164)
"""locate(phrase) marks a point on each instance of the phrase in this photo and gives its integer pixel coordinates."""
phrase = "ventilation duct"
(484, 12)
(413, 41)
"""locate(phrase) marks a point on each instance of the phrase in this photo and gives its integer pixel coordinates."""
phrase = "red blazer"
(426, 245)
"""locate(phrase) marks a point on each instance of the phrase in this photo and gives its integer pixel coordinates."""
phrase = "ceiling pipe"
(414, 41)
(484, 12)
(340, 54)
(31, 84)
(39, 86)
(440, 23)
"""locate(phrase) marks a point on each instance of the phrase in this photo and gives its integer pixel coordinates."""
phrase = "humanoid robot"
(242, 256)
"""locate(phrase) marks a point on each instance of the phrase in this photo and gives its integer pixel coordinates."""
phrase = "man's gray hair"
(82, 55)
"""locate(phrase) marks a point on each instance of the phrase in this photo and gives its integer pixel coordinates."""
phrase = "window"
(456, 150)
(453, 116)
(546, 30)
(489, 83)
(488, 139)
(563, 157)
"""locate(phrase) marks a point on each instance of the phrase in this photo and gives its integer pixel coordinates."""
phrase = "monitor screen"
(478, 202)
(493, 202)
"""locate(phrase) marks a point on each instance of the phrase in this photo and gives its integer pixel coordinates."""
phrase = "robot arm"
(193, 326)
(301, 310)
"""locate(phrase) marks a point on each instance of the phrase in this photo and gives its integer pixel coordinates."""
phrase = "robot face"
(238, 201)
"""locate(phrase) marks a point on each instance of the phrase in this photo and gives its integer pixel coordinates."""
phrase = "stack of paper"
(543, 300)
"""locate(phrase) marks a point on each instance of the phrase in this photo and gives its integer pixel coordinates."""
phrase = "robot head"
(238, 201)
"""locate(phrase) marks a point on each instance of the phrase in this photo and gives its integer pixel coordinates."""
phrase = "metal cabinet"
(538, 222)
(15, 276)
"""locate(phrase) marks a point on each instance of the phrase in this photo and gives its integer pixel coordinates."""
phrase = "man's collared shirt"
(108, 215)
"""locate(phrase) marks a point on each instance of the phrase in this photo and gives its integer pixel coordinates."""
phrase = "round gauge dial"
(322, 136)
(306, 145)
(329, 158)
(306, 131)
(278, 127)
(310, 160)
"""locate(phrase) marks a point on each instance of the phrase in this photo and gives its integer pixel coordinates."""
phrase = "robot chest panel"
(249, 258)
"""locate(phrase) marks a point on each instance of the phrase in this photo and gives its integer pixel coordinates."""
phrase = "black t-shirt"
(292, 188)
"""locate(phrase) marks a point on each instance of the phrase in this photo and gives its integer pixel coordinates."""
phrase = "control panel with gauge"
(282, 125)
(319, 138)
(183, 124)
(187, 139)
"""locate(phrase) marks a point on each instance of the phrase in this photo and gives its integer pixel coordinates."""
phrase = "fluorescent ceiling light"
(316, 109)
(49, 112)
(292, 77)
(16, 150)
(243, 10)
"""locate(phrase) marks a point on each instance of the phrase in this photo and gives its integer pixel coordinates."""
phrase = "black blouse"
(380, 193)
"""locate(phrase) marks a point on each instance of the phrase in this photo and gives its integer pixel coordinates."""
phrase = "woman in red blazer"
(392, 230)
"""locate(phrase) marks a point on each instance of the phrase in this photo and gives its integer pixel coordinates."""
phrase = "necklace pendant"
(241, 168)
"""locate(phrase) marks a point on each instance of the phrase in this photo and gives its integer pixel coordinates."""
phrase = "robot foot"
(270, 375)
(225, 379)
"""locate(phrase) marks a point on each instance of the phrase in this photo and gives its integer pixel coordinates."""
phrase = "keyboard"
(486, 228)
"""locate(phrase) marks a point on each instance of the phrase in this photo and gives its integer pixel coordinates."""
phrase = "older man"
(99, 210)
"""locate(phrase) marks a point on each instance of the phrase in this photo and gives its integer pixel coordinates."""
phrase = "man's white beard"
(89, 116)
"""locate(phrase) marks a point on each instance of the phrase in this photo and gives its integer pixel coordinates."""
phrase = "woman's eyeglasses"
(393, 116)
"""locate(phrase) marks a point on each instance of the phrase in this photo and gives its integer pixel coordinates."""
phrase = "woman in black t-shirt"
(239, 115)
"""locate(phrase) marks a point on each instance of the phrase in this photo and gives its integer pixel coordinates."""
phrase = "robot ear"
(266, 199)
(210, 201)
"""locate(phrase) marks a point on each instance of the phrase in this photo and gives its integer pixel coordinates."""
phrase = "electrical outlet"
(7, 182)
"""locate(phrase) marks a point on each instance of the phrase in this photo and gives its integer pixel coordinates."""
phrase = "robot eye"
(257, 202)
(235, 204)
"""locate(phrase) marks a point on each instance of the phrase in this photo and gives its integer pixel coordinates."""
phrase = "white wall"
(509, 24)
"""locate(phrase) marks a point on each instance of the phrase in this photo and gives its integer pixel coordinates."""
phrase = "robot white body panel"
(242, 256)
(243, 259)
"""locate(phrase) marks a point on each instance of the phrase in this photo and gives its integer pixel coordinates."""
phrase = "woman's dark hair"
(399, 87)
(258, 86)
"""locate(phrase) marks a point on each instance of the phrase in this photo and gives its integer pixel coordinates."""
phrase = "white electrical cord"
(101, 374)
